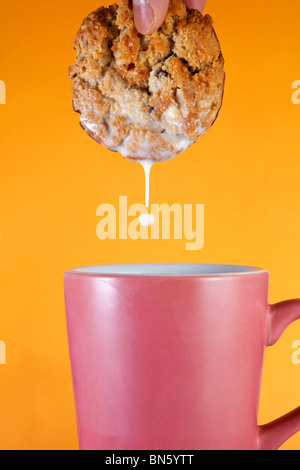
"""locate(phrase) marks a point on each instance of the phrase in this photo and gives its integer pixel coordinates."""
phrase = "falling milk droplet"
(146, 220)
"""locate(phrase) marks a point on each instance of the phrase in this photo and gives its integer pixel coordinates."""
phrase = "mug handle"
(272, 435)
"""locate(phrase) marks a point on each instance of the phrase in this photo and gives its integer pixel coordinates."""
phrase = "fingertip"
(143, 16)
(149, 14)
(196, 4)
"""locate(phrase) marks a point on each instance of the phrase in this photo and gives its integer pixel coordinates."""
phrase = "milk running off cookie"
(147, 219)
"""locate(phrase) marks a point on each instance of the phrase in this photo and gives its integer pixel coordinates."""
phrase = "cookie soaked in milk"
(146, 220)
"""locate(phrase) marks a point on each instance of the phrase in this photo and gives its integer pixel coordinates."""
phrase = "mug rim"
(165, 270)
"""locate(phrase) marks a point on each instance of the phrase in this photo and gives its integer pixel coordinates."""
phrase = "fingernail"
(144, 15)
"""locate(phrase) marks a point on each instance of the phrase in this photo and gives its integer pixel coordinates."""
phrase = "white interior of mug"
(166, 269)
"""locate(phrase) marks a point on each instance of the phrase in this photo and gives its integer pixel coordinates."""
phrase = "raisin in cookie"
(147, 97)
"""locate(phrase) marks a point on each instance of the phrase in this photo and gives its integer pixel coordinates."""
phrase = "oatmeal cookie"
(147, 97)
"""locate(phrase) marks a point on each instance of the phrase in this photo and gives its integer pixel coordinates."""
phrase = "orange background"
(53, 176)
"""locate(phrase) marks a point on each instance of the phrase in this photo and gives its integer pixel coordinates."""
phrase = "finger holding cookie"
(150, 14)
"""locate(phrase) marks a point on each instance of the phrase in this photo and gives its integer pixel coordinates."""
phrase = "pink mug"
(170, 356)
